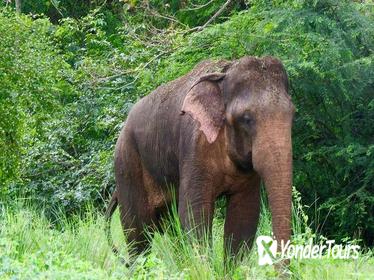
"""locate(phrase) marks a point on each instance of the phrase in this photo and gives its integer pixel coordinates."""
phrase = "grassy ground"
(31, 248)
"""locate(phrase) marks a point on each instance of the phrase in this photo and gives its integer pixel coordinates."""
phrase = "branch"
(137, 70)
(197, 7)
(18, 6)
(224, 6)
(55, 5)
(144, 66)
(169, 18)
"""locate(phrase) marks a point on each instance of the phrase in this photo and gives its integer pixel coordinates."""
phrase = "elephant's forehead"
(256, 83)
(267, 99)
(272, 96)
(259, 70)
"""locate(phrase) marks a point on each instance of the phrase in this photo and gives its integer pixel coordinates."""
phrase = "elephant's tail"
(108, 217)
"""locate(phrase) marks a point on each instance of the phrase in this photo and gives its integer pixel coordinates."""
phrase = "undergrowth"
(33, 247)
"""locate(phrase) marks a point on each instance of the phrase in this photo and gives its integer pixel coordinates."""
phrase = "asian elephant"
(216, 131)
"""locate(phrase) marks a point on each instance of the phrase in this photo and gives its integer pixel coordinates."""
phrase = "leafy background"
(71, 70)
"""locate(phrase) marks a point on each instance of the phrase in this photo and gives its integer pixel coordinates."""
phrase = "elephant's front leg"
(242, 216)
(196, 200)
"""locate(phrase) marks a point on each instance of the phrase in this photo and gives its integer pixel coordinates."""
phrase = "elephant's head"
(250, 102)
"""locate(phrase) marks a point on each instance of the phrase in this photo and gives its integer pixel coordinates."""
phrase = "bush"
(33, 86)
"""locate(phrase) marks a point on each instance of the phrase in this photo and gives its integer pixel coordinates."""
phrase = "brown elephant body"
(214, 131)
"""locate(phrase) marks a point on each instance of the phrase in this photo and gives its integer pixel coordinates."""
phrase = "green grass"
(31, 248)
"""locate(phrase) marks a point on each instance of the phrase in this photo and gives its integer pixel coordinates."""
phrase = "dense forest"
(70, 71)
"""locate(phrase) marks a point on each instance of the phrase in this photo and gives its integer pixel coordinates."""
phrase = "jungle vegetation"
(71, 70)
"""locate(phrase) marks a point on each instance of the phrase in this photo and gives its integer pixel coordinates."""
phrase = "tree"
(18, 6)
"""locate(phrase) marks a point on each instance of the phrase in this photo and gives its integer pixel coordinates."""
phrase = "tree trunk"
(18, 6)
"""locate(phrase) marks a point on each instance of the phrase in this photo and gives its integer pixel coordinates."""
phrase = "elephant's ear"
(204, 102)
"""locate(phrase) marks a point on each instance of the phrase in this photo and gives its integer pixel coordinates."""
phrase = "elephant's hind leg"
(135, 210)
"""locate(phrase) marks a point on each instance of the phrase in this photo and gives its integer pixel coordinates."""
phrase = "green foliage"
(190, 13)
(56, 9)
(67, 88)
(32, 79)
(75, 164)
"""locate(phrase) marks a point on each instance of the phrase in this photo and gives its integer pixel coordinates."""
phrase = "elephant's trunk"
(272, 159)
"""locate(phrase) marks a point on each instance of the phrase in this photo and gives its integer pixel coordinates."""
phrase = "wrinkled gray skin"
(217, 131)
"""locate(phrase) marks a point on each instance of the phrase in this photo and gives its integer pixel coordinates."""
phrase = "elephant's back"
(154, 123)
(162, 107)
(180, 86)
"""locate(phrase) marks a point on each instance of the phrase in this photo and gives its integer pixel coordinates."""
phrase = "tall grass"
(31, 247)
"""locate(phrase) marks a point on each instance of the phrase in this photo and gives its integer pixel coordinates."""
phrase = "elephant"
(219, 130)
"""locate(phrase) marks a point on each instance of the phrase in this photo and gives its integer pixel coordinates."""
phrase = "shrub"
(33, 85)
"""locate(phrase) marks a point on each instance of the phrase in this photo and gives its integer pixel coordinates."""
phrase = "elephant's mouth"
(244, 164)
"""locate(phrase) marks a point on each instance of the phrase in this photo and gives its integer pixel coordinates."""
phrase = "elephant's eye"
(246, 120)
